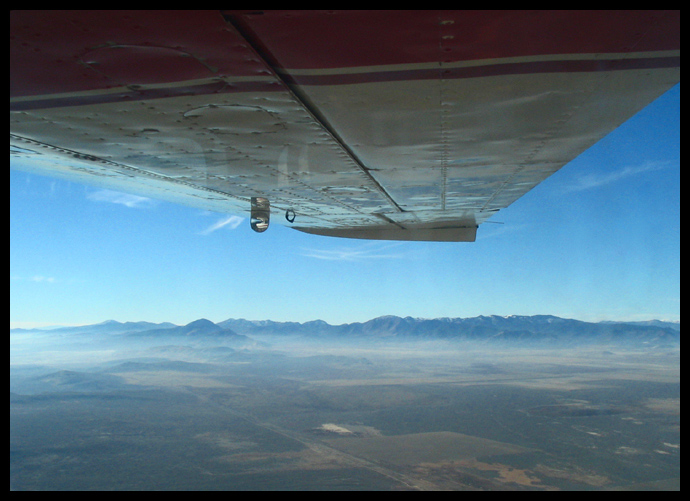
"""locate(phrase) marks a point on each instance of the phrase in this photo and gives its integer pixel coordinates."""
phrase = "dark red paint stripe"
(145, 94)
(490, 70)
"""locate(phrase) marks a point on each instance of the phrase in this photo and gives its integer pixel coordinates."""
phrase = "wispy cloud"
(229, 222)
(364, 253)
(126, 199)
(598, 180)
(35, 278)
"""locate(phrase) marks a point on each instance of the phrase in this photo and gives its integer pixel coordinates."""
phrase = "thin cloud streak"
(598, 180)
(35, 278)
(126, 199)
(353, 255)
(230, 222)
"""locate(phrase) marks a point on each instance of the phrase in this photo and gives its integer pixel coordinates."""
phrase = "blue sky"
(598, 240)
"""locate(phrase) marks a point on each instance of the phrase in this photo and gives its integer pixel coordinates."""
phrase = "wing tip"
(440, 234)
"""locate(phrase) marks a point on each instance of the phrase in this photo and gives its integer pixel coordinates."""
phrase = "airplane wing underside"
(364, 124)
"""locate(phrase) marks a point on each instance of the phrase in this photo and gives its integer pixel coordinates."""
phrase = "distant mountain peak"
(202, 322)
(199, 327)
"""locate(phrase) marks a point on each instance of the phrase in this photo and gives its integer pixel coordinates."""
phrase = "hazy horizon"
(50, 326)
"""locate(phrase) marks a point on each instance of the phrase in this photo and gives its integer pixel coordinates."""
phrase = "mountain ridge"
(512, 328)
(482, 328)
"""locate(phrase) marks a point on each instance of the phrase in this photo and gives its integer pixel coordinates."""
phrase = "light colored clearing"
(423, 447)
(307, 459)
(530, 380)
(627, 451)
(655, 376)
(664, 405)
(350, 429)
(522, 380)
(174, 379)
(672, 446)
(392, 381)
(334, 428)
(559, 384)
(506, 474)
(574, 474)
(227, 441)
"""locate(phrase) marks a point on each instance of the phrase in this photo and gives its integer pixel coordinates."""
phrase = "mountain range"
(514, 328)
(537, 328)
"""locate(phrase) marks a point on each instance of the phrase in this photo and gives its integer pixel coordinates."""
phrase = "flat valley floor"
(334, 418)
